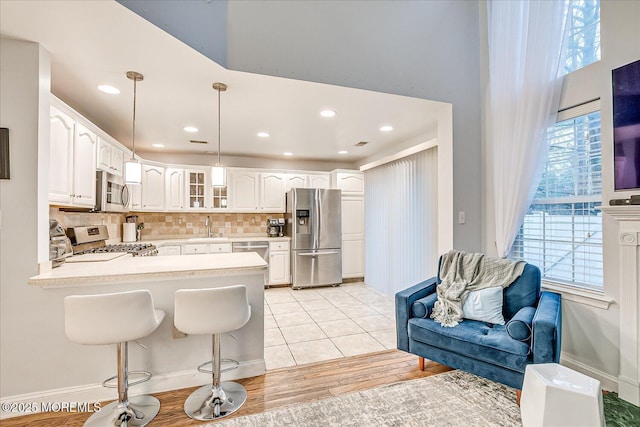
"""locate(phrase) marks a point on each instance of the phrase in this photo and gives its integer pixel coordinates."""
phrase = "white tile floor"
(316, 324)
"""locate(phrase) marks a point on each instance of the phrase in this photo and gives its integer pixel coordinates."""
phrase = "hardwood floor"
(277, 388)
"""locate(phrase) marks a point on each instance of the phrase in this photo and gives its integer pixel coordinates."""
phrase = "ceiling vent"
(195, 141)
(362, 143)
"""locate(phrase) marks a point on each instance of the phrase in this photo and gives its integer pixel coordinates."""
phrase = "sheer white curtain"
(525, 51)
(401, 222)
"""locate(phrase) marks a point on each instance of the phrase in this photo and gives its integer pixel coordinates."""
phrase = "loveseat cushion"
(424, 306)
(519, 327)
(476, 340)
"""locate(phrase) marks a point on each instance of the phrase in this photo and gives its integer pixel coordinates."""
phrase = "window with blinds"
(562, 231)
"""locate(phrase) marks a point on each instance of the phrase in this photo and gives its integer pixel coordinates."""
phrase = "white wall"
(421, 49)
(24, 231)
(590, 341)
(200, 24)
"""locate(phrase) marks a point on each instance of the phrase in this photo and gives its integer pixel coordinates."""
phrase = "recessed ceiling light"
(109, 89)
(327, 113)
(343, 152)
(158, 145)
(386, 128)
(263, 134)
(190, 129)
(288, 153)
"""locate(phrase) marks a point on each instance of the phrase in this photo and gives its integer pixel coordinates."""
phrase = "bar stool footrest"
(112, 382)
(234, 365)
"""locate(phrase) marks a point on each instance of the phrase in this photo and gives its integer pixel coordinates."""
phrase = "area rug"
(453, 398)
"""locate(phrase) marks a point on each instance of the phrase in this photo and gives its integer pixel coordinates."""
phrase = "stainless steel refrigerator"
(314, 222)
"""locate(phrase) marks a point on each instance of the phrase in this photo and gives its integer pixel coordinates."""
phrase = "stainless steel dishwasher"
(261, 247)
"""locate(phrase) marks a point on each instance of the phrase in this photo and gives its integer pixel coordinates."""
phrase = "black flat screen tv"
(626, 126)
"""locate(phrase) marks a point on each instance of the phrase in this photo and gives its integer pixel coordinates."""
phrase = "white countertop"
(139, 269)
(205, 240)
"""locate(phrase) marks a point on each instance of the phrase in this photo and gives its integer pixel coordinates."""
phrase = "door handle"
(320, 253)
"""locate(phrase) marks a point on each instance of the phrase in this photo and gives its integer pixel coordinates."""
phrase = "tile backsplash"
(113, 221)
(170, 225)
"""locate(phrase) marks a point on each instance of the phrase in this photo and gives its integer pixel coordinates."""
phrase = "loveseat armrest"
(547, 329)
(404, 301)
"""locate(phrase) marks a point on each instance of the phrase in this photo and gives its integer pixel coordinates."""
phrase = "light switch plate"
(461, 217)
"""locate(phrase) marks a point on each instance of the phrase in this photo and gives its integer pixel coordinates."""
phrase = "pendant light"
(133, 168)
(218, 172)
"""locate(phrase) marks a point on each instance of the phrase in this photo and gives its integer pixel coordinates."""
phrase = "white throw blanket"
(463, 272)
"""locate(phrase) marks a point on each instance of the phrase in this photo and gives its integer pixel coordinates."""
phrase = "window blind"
(562, 231)
(401, 222)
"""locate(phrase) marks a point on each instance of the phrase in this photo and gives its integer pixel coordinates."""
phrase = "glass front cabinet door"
(197, 186)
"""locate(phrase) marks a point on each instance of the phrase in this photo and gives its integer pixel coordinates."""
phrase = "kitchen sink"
(208, 239)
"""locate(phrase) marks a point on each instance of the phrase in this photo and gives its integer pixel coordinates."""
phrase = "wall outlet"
(178, 333)
(461, 217)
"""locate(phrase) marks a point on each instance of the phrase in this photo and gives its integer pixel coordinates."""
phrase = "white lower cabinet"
(352, 258)
(352, 236)
(203, 248)
(219, 248)
(169, 250)
(195, 249)
(279, 263)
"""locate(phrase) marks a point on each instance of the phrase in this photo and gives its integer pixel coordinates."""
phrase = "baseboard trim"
(91, 393)
(607, 381)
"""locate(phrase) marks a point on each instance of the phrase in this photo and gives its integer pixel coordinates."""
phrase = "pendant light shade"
(132, 172)
(218, 171)
(133, 168)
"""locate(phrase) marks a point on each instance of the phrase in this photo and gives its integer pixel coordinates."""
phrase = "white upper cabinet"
(84, 171)
(61, 157)
(110, 158)
(319, 181)
(350, 182)
(272, 197)
(153, 188)
(245, 190)
(175, 189)
(253, 191)
(72, 159)
(295, 180)
(307, 180)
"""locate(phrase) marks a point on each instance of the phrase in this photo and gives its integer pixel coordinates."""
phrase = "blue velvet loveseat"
(481, 348)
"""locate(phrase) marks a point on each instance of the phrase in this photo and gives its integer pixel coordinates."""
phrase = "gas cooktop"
(136, 249)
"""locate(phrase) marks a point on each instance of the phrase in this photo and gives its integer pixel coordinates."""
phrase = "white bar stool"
(116, 318)
(213, 312)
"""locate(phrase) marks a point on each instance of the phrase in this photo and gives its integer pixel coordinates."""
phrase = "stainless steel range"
(92, 239)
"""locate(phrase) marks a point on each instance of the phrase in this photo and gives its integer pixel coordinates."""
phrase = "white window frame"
(575, 292)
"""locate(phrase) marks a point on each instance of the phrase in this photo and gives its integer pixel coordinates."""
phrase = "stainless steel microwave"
(112, 194)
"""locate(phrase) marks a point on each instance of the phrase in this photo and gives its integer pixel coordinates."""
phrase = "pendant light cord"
(218, 126)
(133, 135)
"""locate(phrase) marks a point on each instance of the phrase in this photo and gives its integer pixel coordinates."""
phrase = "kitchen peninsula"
(171, 357)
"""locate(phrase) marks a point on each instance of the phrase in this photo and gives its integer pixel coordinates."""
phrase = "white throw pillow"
(484, 305)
